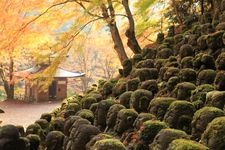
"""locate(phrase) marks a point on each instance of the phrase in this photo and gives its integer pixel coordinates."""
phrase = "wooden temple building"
(56, 91)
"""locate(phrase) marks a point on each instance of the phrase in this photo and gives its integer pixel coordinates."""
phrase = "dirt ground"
(20, 113)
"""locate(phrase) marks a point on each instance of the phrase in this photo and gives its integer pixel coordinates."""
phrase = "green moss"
(132, 84)
(87, 101)
(148, 63)
(129, 112)
(145, 73)
(125, 99)
(161, 101)
(183, 144)
(73, 106)
(181, 105)
(178, 38)
(109, 144)
(150, 130)
(86, 114)
(140, 100)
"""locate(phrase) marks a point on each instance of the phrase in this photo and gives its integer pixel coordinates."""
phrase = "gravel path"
(18, 113)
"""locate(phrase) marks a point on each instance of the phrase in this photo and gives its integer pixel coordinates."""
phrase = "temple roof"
(60, 72)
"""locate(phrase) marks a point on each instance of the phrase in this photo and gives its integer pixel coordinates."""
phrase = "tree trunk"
(11, 85)
(110, 19)
(132, 42)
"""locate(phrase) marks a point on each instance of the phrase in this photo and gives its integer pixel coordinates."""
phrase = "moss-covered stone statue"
(183, 144)
(179, 115)
(214, 137)
(206, 76)
(101, 113)
(140, 100)
(112, 115)
(183, 90)
(165, 137)
(201, 119)
(124, 99)
(124, 121)
(109, 144)
(148, 132)
(159, 105)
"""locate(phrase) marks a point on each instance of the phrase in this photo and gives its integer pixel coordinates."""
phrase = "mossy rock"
(148, 53)
(145, 74)
(96, 138)
(198, 96)
(172, 82)
(34, 141)
(96, 95)
(183, 144)
(150, 129)
(192, 39)
(165, 137)
(124, 121)
(178, 38)
(109, 144)
(215, 40)
(10, 132)
(162, 46)
(132, 84)
(107, 88)
(188, 75)
(206, 76)
(201, 119)
(158, 106)
(187, 62)
(43, 123)
(169, 40)
(219, 81)
(86, 114)
(150, 85)
(202, 42)
(207, 28)
(119, 88)
(217, 100)
(125, 99)
(148, 63)
(186, 50)
(160, 63)
(136, 59)
(74, 107)
(87, 101)
(33, 129)
(140, 100)
(220, 61)
(112, 115)
(170, 72)
(143, 117)
(57, 124)
(214, 136)
(196, 29)
(165, 53)
(160, 38)
(93, 107)
(179, 115)
(208, 62)
(183, 90)
(46, 116)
